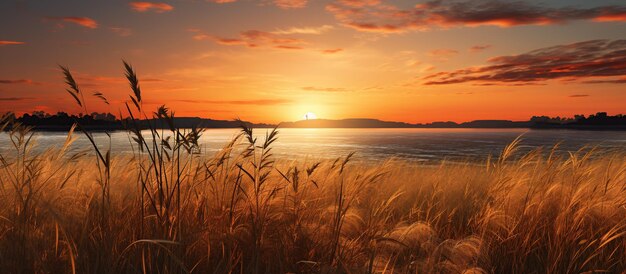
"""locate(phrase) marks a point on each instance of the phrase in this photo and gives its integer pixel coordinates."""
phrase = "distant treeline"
(598, 121)
(62, 121)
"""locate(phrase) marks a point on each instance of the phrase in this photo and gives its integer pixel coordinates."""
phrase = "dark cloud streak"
(17, 81)
(479, 48)
(239, 102)
(376, 16)
(12, 99)
(591, 59)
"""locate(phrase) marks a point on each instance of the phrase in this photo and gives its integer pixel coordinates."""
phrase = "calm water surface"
(374, 144)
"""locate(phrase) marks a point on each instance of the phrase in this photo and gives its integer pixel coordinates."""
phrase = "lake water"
(424, 145)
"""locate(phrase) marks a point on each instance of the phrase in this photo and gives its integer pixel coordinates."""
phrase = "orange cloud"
(256, 39)
(81, 21)
(359, 3)
(230, 41)
(287, 47)
(304, 30)
(376, 16)
(479, 48)
(147, 6)
(290, 4)
(331, 51)
(201, 37)
(5, 42)
(611, 17)
(121, 31)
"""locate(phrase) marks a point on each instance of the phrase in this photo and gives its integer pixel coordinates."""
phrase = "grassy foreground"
(238, 212)
(170, 208)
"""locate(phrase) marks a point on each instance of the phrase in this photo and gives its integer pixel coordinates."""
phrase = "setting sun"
(309, 116)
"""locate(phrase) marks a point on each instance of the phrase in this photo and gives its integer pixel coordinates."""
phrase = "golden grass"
(172, 209)
(535, 213)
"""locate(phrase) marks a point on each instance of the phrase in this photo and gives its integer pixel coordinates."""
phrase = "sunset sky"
(272, 61)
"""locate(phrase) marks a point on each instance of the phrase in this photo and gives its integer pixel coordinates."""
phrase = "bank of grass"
(170, 208)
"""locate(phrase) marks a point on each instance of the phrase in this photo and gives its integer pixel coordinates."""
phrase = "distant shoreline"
(107, 122)
(584, 128)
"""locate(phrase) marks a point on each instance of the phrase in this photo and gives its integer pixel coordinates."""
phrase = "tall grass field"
(172, 208)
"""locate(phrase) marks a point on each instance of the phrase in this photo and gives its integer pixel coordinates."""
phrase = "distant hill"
(374, 123)
(345, 123)
(496, 124)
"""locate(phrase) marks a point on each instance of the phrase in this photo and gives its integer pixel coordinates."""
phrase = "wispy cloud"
(325, 89)
(580, 61)
(607, 81)
(228, 41)
(150, 6)
(6, 42)
(359, 3)
(238, 102)
(379, 16)
(443, 55)
(256, 39)
(291, 4)
(479, 48)
(331, 51)
(100, 80)
(578, 95)
(153, 80)
(287, 47)
(121, 31)
(304, 30)
(17, 81)
(283, 4)
(81, 21)
(443, 52)
(284, 39)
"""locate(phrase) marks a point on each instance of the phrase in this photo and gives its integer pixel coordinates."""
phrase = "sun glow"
(309, 116)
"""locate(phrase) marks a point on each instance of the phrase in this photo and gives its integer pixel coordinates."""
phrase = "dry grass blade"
(69, 139)
(510, 149)
(134, 85)
(73, 89)
(100, 96)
